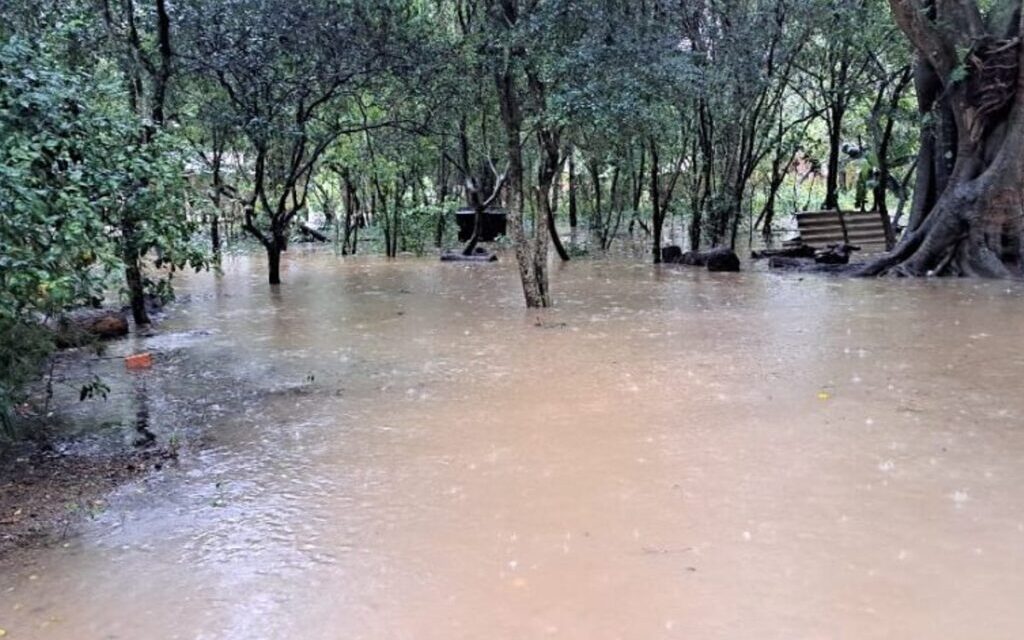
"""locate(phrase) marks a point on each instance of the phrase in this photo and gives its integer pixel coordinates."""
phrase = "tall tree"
(966, 217)
(147, 72)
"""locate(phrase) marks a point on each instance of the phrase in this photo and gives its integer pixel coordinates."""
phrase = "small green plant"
(95, 388)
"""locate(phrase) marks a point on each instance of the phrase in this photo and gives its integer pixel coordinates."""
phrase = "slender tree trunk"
(478, 224)
(552, 229)
(657, 215)
(534, 280)
(595, 178)
(215, 241)
(605, 230)
(442, 200)
(573, 220)
(136, 291)
(547, 186)
(835, 133)
(215, 234)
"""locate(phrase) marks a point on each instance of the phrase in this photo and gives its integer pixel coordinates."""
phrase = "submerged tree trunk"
(549, 215)
(657, 215)
(276, 246)
(968, 222)
(136, 291)
(531, 258)
(134, 280)
(274, 264)
(215, 234)
(573, 216)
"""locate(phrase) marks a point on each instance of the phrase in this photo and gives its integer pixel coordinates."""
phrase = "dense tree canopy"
(131, 127)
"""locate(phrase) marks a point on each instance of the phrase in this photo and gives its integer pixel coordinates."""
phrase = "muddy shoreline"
(68, 464)
(45, 494)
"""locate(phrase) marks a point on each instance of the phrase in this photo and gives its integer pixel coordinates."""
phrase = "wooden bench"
(820, 229)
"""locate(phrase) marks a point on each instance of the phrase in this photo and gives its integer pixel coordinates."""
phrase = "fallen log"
(717, 259)
(84, 326)
(480, 255)
(808, 265)
(313, 233)
(799, 251)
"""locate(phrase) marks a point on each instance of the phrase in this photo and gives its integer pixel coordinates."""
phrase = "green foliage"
(55, 182)
(389, 110)
(74, 170)
(418, 227)
(23, 345)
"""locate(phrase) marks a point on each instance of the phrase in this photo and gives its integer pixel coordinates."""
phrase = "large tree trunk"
(277, 245)
(274, 264)
(972, 226)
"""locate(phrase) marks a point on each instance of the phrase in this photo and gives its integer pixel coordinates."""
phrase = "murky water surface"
(399, 450)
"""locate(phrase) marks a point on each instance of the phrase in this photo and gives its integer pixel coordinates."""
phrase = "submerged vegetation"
(141, 136)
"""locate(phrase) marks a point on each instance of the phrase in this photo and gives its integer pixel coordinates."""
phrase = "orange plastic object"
(139, 361)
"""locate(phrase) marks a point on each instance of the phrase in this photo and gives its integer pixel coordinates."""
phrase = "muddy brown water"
(399, 450)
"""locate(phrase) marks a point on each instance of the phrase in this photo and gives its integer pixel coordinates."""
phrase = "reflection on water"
(398, 450)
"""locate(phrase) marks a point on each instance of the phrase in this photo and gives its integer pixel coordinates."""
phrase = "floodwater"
(398, 450)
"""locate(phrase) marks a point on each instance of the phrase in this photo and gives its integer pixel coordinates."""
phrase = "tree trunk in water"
(136, 291)
(478, 223)
(531, 262)
(657, 215)
(274, 264)
(273, 251)
(973, 227)
(695, 230)
(552, 229)
(350, 208)
(442, 198)
(737, 213)
(595, 178)
(573, 220)
(134, 281)
(215, 234)
(832, 177)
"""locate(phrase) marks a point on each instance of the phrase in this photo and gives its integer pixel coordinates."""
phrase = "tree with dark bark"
(147, 75)
(968, 200)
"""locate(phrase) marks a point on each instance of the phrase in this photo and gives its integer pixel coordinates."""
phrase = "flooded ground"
(399, 450)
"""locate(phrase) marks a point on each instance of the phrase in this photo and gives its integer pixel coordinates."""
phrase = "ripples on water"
(399, 450)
